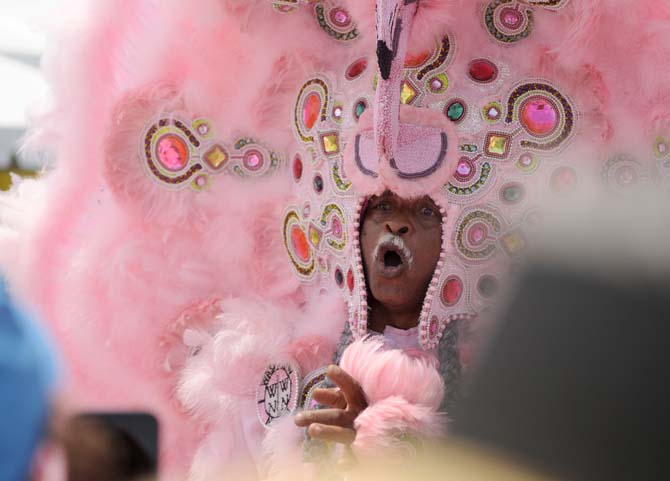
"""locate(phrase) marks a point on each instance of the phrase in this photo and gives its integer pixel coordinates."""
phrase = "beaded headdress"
(468, 123)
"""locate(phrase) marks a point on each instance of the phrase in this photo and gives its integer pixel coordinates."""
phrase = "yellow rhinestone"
(497, 145)
(216, 157)
(330, 145)
(407, 93)
(314, 236)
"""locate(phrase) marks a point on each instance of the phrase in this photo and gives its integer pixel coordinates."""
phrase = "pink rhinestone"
(337, 227)
(539, 116)
(253, 160)
(477, 234)
(340, 17)
(203, 129)
(510, 17)
(493, 113)
(337, 112)
(464, 168)
(662, 147)
(201, 181)
(432, 329)
(526, 160)
(306, 210)
(436, 84)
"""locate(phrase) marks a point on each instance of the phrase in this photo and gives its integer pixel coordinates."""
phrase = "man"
(401, 242)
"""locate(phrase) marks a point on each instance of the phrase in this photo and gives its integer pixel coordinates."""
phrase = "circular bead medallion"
(172, 152)
(539, 116)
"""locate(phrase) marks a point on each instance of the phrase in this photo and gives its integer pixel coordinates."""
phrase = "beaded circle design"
(178, 154)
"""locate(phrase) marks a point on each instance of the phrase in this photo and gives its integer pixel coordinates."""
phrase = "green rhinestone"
(360, 108)
(456, 111)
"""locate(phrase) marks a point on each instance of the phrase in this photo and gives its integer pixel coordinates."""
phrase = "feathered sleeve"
(404, 393)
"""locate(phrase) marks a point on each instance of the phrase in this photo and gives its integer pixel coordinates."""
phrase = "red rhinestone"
(297, 168)
(350, 280)
(357, 68)
(452, 291)
(483, 70)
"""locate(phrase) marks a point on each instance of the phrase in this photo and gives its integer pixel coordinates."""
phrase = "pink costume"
(214, 160)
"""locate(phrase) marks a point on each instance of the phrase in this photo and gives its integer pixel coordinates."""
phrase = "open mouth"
(392, 259)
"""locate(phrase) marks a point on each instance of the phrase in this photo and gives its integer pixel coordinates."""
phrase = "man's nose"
(398, 227)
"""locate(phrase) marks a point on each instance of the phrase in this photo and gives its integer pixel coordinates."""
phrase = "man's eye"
(428, 212)
(383, 206)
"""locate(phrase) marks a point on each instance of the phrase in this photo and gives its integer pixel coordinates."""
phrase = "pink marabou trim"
(379, 426)
(403, 391)
(383, 373)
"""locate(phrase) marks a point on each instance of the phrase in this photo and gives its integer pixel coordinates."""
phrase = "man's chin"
(391, 291)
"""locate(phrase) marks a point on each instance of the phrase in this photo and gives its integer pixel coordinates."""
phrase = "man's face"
(401, 242)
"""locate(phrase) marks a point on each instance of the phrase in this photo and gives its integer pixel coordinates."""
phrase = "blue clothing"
(27, 375)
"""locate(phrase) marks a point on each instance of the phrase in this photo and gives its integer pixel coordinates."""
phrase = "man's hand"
(347, 401)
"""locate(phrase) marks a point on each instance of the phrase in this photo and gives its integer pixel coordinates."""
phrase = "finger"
(335, 434)
(332, 417)
(330, 397)
(352, 391)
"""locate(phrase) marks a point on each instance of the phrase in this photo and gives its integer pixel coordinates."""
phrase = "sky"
(21, 82)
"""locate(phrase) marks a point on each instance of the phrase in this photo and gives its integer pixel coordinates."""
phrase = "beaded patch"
(506, 130)
(336, 22)
(624, 174)
(180, 154)
(510, 21)
(277, 393)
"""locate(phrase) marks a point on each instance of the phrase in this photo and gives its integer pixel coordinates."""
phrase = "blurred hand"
(346, 402)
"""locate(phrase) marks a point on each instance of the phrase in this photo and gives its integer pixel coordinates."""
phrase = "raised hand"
(346, 402)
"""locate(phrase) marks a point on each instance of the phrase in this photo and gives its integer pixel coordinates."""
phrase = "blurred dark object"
(111, 446)
(573, 380)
